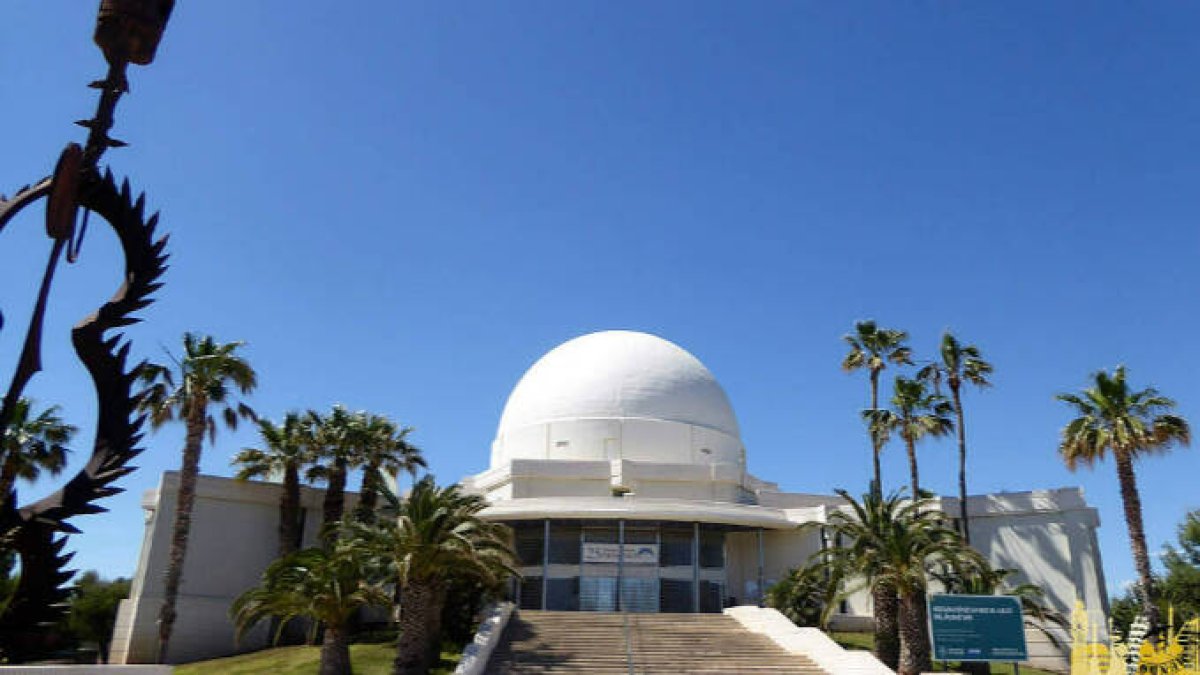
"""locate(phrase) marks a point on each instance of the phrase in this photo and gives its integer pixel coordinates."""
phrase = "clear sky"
(401, 206)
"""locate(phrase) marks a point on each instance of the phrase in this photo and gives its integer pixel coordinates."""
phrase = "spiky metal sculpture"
(127, 31)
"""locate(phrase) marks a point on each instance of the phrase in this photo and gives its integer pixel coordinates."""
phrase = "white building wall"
(630, 438)
(234, 536)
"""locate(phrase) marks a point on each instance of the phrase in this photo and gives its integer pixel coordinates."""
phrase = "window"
(531, 593)
(712, 549)
(564, 544)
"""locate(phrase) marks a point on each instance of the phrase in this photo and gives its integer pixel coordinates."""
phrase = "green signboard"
(977, 628)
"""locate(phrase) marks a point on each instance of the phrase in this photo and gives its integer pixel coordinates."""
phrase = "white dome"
(618, 395)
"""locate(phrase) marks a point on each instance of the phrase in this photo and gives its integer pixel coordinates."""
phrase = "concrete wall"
(1048, 537)
(783, 550)
(531, 478)
(234, 536)
(631, 438)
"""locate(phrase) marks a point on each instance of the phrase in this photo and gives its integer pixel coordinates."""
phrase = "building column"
(696, 567)
(826, 574)
(762, 592)
(620, 561)
(545, 561)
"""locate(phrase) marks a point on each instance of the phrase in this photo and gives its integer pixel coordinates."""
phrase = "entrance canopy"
(653, 509)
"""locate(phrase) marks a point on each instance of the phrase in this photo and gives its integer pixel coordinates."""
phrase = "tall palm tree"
(897, 543)
(386, 451)
(32, 443)
(206, 376)
(916, 414)
(337, 441)
(1129, 424)
(327, 587)
(872, 348)
(960, 364)
(437, 534)
(284, 452)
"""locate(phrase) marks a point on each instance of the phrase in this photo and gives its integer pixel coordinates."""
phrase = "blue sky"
(400, 206)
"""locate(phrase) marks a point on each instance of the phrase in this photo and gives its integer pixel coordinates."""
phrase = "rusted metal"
(130, 30)
(62, 206)
(127, 31)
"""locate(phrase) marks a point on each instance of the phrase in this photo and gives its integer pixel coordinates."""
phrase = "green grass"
(368, 659)
(863, 641)
(866, 641)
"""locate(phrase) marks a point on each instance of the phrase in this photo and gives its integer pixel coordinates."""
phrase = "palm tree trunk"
(418, 600)
(290, 536)
(335, 652)
(289, 512)
(335, 497)
(887, 630)
(914, 636)
(912, 466)
(435, 624)
(8, 478)
(1137, 535)
(368, 496)
(877, 486)
(182, 527)
(887, 635)
(964, 524)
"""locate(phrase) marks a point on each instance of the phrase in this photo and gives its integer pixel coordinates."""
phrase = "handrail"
(628, 644)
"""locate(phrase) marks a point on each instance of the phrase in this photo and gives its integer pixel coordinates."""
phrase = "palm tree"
(202, 378)
(332, 458)
(896, 543)
(808, 595)
(386, 450)
(437, 535)
(285, 451)
(916, 413)
(960, 363)
(327, 587)
(1113, 418)
(872, 348)
(32, 443)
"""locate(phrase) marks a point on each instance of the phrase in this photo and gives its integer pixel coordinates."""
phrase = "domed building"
(618, 463)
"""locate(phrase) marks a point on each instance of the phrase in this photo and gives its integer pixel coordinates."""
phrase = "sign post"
(977, 628)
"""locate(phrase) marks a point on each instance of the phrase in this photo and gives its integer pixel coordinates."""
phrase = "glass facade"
(631, 566)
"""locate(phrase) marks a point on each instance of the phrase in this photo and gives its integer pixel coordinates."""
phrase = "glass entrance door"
(598, 594)
(639, 574)
(598, 569)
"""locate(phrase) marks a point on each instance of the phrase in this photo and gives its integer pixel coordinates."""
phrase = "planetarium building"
(619, 464)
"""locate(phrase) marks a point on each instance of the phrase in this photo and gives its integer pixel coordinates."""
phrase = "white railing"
(477, 652)
(811, 642)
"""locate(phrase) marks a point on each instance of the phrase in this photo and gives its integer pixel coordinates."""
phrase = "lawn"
(866, 641)
(368, 659)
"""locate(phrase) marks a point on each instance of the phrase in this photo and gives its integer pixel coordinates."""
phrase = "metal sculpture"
(1175, 652)
(127, 31)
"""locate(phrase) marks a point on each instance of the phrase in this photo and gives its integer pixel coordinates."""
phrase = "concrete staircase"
(602, 642)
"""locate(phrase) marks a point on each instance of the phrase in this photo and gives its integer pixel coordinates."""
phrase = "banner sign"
(977, 628)
(635, 554)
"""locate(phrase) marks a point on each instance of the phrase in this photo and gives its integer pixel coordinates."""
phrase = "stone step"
(594, 643)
